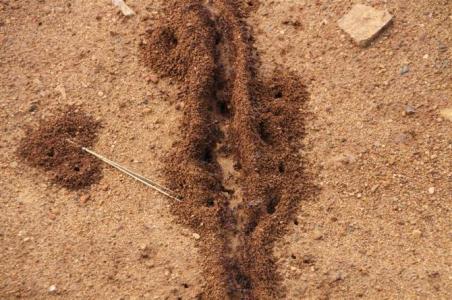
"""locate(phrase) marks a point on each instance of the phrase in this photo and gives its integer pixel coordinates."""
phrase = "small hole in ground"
(223, 107)
(293, 256)
(277, 94)
(295, 222)
(210, 202)
(168, 37)
(249, 228)
(271, 204)
(281, 167)
(243, 281)
(218, 38)
(207, 155)
(263, 131)
(76, 168)
(185, 285)
(50, 153)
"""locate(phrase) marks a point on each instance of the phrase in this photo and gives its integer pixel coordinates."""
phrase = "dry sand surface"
(340, 188)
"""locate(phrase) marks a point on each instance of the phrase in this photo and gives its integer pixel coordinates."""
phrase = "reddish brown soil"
(230, 114)
(378, 228)
(53, 148)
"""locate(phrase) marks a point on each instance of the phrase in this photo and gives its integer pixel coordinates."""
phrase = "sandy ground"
(378, 228)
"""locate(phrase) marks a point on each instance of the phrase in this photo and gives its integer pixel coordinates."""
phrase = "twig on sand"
(161, 189)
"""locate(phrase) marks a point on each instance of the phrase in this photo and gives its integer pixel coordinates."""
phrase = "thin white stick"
(163, 190)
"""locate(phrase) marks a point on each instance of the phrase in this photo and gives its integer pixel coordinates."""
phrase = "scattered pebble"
(417, 233)
(147, 111)
(51, 216)
(145, 251)
(403, 138)
(84, 199)
(124, 8)
(13, 164)
(33, 107)
(344, 159)
(405, 69)
(52, 289)
(374, 188)
(153, 78)
(317, 235)
(410, 110)
(442, 47)
(446, 113)
(196, 236)
(337, 276)
(150, 264)
(308, 259)
(431, 190)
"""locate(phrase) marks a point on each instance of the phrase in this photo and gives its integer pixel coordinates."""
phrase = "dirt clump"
(53, 147)
(232, 117)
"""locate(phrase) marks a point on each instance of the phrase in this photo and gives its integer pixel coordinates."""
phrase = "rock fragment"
(409, 110)
(317, 235)
(404, 69)
(124, 8)
(363, 23)
(417, 233)
(442, 47)
(52, 289)
(403, 138)
(446, 113)
(84, 199)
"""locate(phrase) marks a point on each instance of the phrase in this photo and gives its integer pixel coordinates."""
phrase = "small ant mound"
(48, 147)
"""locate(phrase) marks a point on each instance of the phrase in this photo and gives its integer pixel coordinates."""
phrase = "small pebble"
(417, 233)
(52, 289)
(337, 276)
(13, 164)
(410, 110)
(33, 107)
(447, 113)
(145, 251)
(153, 78)
(405, 69)
(317, 235)
(403, 138)
(442, 47)
(84, 199)
(196, 236)
(147, 111)
(431, 190)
